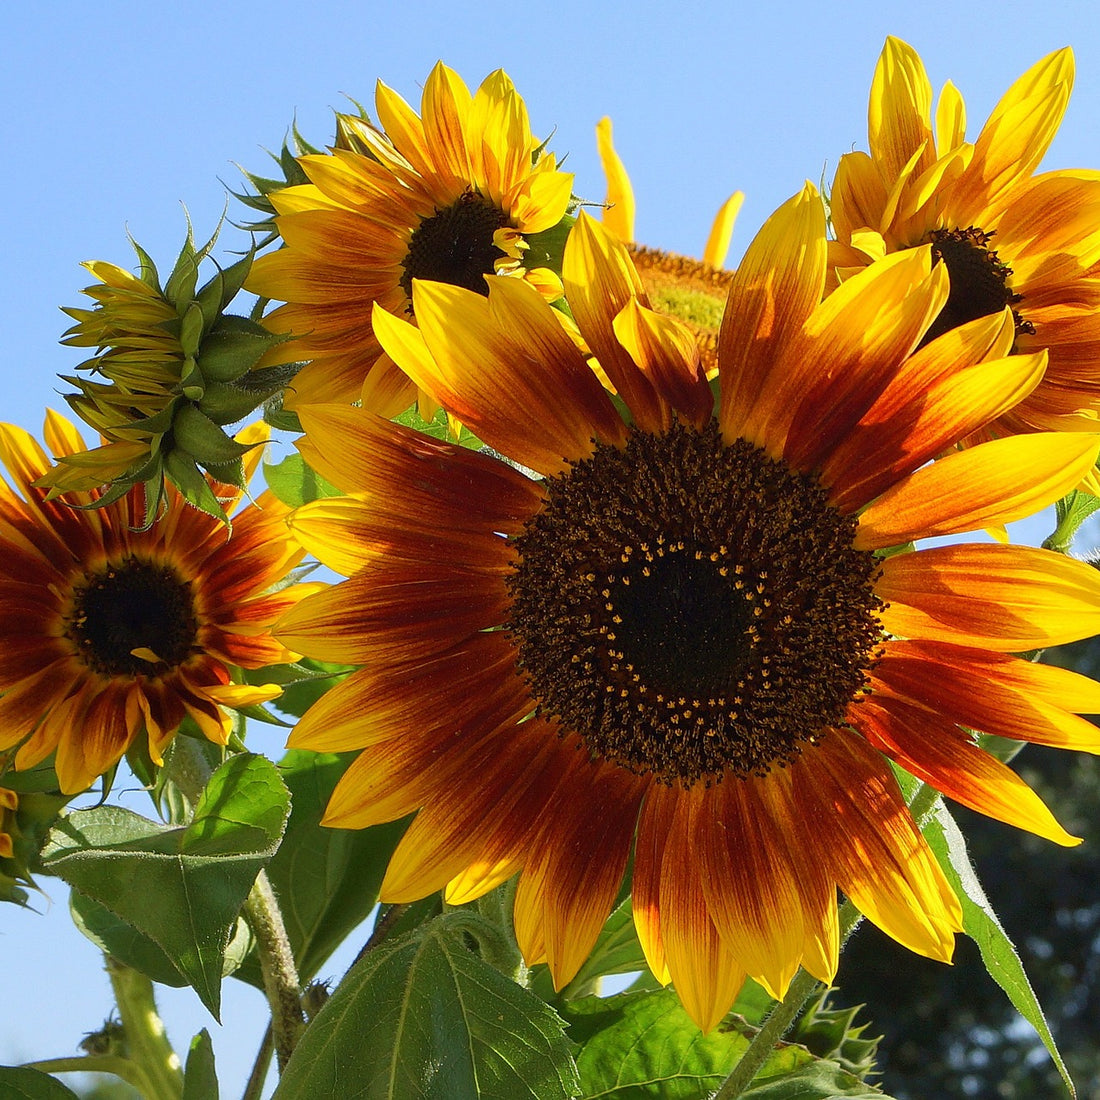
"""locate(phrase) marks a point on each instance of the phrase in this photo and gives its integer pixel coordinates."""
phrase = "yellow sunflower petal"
(721, 230)
(618, 213)
(995, 483)
(1004, 598)
(900, 108)
(775, 288)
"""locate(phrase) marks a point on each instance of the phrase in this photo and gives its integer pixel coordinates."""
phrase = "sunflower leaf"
(200, 1080)
(326, 879)
(294, 483)
(980, 923)
(644, 1046)
(422, 1018)
(180, 887)
(25, 1083)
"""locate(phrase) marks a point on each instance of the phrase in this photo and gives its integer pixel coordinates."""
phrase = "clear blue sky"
(118, 112)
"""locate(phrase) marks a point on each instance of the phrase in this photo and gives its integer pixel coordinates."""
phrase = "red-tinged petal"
(937, 752)
(600, 279)
(444, 483)
(577, 861)
(747, 879)
(1006, 598)
(104, 735)
(541, 414)
(394, 612)
(58, 722)
(852, 348)
(668, 355)
(23, 705)
(994, 693)
(910, 423)
(380, 702)
(864, 833)
(994, 483)
(654, 826)
(774, 290)
(486, 819)
(705, 972)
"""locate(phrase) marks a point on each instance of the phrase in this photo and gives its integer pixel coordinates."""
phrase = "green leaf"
(980, 923)
(180, 468)
(807, 1078)
(438, 427)
(114, 936)
(182, 888)
(294, 483)
(326, 879)
(422, 1018)
(643, 1046)
(200, 1080)
(301, 693)
(22, 1083)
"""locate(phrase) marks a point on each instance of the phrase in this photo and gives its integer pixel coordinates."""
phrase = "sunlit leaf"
(422, 1018)
(180, 887)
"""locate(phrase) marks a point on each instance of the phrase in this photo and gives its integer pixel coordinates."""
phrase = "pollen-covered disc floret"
(663, 610)
(135, 605)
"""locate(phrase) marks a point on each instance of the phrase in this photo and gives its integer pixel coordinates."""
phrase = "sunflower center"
(135, 605)
(455, 245)
(979, 281)
(692, 608)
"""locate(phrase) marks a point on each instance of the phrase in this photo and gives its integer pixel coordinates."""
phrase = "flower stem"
(277, 965)
(803, 986)
(147, 1045)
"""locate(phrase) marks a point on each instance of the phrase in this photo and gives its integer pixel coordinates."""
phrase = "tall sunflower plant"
(631, 616)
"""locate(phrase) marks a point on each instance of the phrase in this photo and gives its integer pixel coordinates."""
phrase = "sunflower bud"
(25, 818)
(178, 369)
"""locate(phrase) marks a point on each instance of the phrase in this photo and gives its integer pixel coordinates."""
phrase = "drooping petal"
(939, 753)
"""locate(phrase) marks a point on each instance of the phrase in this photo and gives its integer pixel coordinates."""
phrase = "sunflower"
(680, 286)
(107, 631)
(1008, 236)
(452, 195)
(683, 638)
(9, 803)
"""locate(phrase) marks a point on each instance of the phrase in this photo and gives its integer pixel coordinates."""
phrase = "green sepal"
(422, 1016)
(192, 384)
(183, 888)
(547, 249)
(180, 468)
(1070, 512)
(233, 347)
(191, 329)
(222, 289)
(197, 434)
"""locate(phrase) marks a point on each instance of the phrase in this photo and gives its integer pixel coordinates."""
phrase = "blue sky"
(119, 112)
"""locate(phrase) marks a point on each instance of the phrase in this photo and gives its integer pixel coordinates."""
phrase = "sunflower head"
(689, 635)
(453, 194)
(114, 635)
(1008, 235)
(171, 368)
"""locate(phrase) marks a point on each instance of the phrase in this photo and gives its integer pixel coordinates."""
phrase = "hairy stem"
(277, 964)
(147, 1045)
